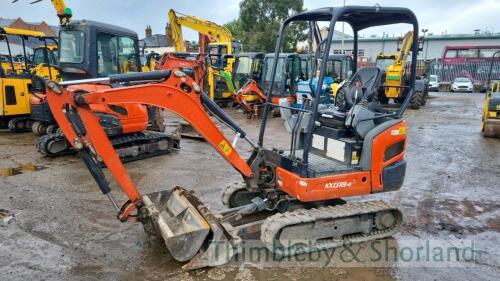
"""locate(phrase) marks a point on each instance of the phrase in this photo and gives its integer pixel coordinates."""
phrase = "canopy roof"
(359, 17)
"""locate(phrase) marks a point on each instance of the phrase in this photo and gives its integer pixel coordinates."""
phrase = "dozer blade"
(185, 224)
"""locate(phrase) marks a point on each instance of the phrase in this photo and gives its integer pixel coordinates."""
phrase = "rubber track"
(42, 142)
(272, 226)
(13, 128)
(136, 137)
(117, 142)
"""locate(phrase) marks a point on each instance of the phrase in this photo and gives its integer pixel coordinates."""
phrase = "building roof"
(5, 22)
(31, 42)
(156, 40)
(337, 35)
(36, 26)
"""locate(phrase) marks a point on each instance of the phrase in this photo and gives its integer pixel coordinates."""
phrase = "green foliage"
(259, 21)
(195, 44)
(234, 27)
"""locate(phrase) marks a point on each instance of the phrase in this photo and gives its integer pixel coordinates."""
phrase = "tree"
(234, 27)
(259, 22)
(195, 44)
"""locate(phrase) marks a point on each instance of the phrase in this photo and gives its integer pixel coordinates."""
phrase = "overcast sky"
(452, 16)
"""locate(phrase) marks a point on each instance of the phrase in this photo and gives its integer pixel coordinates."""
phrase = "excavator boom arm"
(63, 12)
(178, 93)
(60, 6)
(176, 32)
(405, 48)
(215, 32)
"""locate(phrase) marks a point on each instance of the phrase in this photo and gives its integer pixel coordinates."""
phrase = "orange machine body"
(195, 65)
(133, 117)
(348, 184)
(251, 94)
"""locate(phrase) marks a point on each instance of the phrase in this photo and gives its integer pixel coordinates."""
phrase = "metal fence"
(477, 72)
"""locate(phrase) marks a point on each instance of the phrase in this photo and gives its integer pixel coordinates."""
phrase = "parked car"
(462, 84)
(433, 83)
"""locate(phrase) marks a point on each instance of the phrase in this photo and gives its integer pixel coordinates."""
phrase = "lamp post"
(424, 30)
(342, 44)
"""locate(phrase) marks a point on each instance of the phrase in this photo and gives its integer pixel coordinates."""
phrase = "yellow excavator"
(397, 75)
(16, 77)
(221, 50)
(45, 60)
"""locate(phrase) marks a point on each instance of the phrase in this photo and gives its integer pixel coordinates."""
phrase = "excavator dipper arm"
(177, 93)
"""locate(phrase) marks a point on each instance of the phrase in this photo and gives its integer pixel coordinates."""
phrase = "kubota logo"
(340, 184)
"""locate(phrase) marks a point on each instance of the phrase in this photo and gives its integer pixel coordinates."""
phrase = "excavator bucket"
(185, 224)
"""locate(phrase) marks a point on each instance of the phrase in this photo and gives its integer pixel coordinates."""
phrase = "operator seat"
(370, 78)
(369, 82)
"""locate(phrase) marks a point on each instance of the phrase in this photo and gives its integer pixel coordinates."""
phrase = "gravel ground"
(65, 229)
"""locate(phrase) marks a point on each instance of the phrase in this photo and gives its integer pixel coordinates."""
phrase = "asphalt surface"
(65, 229)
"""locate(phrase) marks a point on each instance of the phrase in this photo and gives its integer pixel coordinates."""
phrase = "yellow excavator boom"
(405, 48)
(216, 32)
(176, 31)
(59, 5)
(219, 36)
(63, 12)
(395, 72)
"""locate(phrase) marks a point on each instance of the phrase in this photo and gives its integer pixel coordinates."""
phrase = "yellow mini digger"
(491, 111)
(397, 75)
(16, 77)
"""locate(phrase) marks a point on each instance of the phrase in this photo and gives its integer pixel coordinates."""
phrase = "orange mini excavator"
(287, 197)
(90, 49)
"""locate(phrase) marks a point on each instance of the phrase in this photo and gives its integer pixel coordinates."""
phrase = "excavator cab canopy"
(218, 52)
(24, 61)
(117, 50)
(359, 18)
(247, 65)
(281, 82)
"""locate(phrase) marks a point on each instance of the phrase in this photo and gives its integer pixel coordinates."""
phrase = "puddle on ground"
(25, 167)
